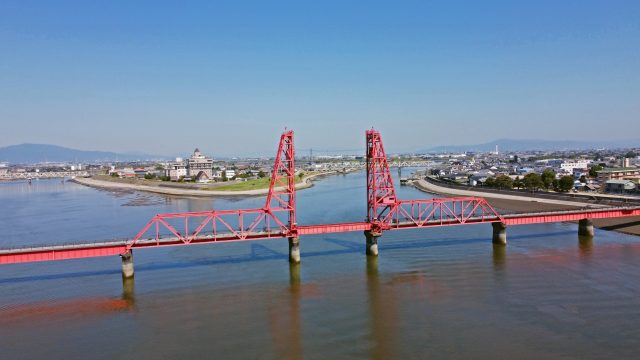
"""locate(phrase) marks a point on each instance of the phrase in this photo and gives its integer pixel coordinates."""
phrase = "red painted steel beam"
(51, 254)
(333, 228)
(573, 216)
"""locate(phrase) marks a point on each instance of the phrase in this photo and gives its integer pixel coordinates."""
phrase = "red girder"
(560, 216)
(384, 212)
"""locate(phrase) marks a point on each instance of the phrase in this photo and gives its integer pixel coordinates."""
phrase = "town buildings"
(198, 167)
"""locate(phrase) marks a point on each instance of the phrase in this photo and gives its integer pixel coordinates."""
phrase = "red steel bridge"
(277, 218)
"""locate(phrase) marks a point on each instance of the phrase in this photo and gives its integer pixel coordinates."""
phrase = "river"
(433, 293)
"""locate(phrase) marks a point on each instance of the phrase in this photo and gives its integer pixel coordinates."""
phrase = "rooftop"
(613, 170)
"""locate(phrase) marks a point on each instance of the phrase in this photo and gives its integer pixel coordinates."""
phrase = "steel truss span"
(277, 218)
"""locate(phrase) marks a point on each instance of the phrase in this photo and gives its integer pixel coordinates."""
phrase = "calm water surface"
(436, 293)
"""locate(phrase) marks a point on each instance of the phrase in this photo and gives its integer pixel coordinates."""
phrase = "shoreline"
(305, 183)
(515, 203)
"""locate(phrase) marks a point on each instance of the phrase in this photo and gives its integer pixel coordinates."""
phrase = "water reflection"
(585, 245)
(128, 290)
(499, 257)
(382, 309)
(284, 323)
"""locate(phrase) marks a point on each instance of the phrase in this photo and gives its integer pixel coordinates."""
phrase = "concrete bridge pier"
(585, 228)
(372, 242)
(127, 264)
(294, 250)
(499, 233)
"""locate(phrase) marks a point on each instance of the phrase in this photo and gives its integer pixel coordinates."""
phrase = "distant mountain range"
(532, 144)
(39, 153)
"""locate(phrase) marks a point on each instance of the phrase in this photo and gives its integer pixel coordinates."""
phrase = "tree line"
(532, 182)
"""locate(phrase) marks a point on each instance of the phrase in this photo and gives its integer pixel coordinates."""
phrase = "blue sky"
(228, 76)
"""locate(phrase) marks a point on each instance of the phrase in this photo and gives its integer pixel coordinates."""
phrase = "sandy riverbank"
(306, 182)
(514, 203)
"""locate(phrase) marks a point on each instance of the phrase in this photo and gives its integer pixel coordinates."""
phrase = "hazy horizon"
(228, 77)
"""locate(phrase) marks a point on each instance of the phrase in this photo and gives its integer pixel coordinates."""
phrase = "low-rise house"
(461, 177)
(620, 186)
(217, 174)
(477, 180)
(140, 172)
(126, 173)
(230, 173)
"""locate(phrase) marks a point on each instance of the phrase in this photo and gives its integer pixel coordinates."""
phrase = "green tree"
(149, 176)
(566, 183)
(547, 177)
(224, 176)
(504, 182)
(490, 182)
(262, 174)
(583, 179)
(630, 155)
(593, 171)
(517, 183)
(532, 181)
(114, 174)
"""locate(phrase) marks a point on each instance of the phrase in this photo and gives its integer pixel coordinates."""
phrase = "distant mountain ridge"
(39, 153)
(533, 144)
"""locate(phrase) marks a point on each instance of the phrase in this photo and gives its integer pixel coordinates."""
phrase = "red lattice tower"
(282, 190)
(381, 194)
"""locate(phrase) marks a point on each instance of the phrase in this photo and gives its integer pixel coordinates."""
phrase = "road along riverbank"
(515, 203)
(304, 183)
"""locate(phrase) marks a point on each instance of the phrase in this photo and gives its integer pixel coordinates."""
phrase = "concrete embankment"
(504, 201)
(515, 203)
(306, 182)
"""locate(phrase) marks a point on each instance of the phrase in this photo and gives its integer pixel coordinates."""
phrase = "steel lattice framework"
(386, 212)
(242, 224)
(277, 219)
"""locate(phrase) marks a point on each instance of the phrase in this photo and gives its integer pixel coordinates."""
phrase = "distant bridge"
(42, 175)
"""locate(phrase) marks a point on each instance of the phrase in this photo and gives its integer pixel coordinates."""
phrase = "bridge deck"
(110, 248)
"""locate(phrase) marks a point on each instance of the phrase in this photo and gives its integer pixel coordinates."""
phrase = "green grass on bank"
(262, 183)
(256, 184)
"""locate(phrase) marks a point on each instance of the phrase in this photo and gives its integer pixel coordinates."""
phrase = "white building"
(230, 173)
(176, 170)
(569, 166)
(199, 163)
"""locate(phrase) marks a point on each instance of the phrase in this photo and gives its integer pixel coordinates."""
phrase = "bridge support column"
(294, 250)
(585, 227)
(372, 242)
(499, 233)
(127, 264)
